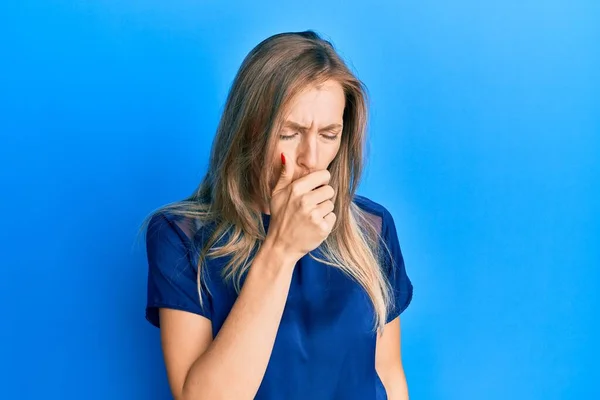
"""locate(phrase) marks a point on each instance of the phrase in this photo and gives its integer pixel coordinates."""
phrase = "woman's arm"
(388, 362)
(232, 365)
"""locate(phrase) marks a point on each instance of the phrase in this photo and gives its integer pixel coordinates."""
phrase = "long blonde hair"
(240, 166)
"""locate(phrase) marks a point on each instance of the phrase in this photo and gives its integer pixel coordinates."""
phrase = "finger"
(312, 181)
(286, 175)
(324, 208)
(330, 220)
(317, 196)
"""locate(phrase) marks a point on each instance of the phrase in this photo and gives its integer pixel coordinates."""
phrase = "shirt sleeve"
(172, 275)
(402, 288)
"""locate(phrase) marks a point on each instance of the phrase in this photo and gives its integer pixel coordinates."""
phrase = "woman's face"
(311, 133)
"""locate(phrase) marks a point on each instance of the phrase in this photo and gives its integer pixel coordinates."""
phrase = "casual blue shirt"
(325, 344)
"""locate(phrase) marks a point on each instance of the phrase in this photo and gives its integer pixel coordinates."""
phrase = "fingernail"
(282, 159)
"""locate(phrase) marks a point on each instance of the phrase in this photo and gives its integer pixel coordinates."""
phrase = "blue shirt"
(325, 344)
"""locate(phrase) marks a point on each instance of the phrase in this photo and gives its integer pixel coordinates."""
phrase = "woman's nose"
(307, 154)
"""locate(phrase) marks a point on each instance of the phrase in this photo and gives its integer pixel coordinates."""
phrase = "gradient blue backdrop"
(484, 146)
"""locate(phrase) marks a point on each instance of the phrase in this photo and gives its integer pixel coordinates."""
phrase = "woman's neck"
(260, 207)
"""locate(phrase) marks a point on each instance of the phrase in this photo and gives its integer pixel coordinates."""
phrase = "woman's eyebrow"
(297, 126)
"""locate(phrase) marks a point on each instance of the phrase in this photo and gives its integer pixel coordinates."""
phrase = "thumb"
(286, 176)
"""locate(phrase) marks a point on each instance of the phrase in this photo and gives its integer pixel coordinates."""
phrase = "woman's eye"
(287, 137)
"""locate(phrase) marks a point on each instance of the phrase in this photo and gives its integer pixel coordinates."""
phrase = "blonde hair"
(240, 166)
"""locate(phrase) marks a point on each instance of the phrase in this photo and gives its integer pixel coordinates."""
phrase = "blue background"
(484, 146)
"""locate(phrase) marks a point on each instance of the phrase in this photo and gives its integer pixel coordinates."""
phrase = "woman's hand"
(301, 211)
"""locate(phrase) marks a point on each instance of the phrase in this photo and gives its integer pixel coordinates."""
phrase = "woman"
(274, 280)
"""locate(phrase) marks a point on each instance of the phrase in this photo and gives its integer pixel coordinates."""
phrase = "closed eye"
(289, 137)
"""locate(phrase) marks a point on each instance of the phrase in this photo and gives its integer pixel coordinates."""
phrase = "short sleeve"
(172, 275)
(402, 288)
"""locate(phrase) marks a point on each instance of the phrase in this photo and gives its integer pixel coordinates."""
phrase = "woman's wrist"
(276, 256)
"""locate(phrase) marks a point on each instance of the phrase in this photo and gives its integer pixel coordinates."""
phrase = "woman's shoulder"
(164, 221)
(369, 205)
(374, 210)
(186, 229)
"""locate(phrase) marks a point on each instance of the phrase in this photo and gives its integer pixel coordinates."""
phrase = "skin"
(311, 135)
(198, 366)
